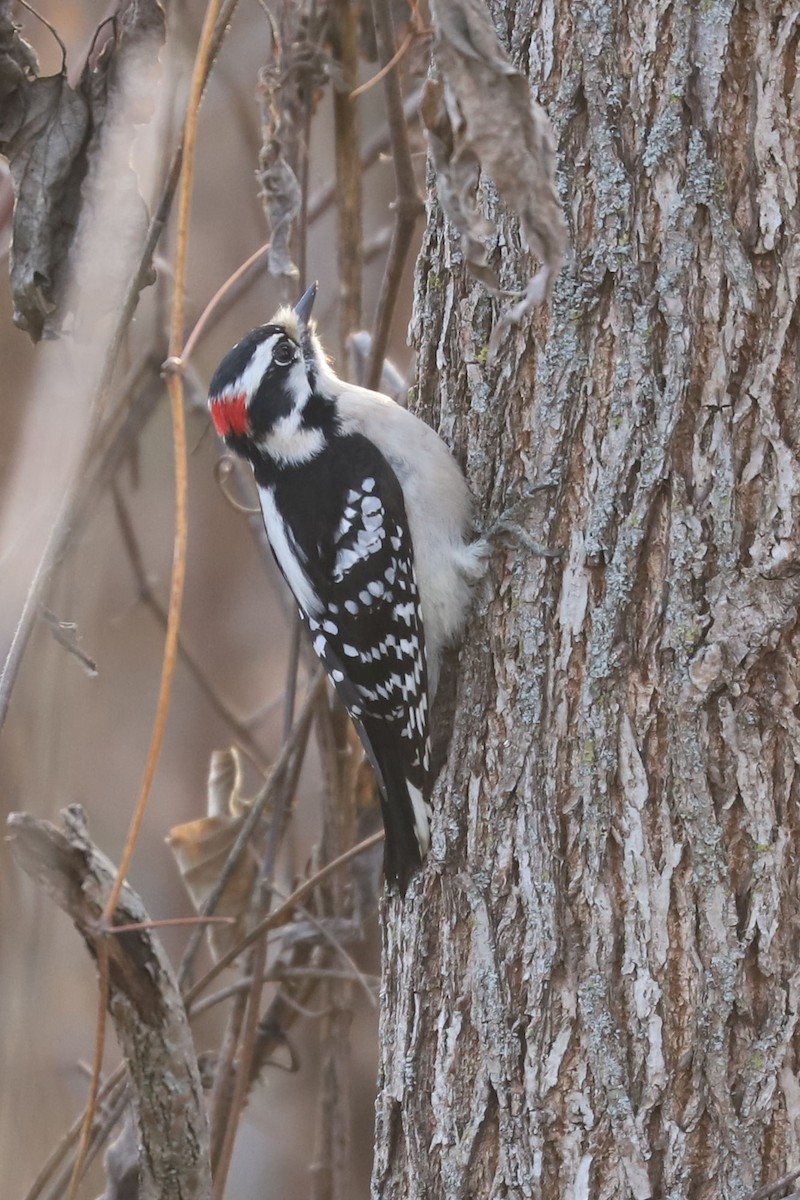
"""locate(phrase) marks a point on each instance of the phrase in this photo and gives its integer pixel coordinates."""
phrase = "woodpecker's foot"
(509, 523)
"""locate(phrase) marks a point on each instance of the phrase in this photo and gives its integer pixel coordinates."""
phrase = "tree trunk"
(593, 990)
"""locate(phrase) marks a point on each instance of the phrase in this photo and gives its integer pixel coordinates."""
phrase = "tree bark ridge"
(593, 989)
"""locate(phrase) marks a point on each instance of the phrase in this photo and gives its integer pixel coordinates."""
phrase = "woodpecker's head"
(263, 395)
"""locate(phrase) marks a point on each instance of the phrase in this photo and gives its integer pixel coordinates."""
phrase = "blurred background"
(75, 734)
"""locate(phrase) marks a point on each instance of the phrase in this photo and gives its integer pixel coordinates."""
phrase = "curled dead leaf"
(288, 88)
(481, 117)
(201, 849)
(50, 133)
(280, 192)
(47, 163)
(18, 67)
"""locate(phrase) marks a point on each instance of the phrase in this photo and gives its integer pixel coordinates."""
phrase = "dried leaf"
(287, 88)
(49, 132)
(457, 176)
(481, 117)
(47, 162)
(281, 194)
(18, 66)
(201, 849)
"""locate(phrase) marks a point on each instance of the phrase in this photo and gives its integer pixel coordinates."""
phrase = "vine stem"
(174, 381)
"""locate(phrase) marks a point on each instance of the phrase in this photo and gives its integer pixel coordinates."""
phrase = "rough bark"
(593, 989)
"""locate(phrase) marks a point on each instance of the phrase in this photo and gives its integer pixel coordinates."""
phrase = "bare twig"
(336, 943)
(264, 798)
(777, 1185)
(371, 151)
(66, 634)
(247, 1010)
(401, 52)
(175, 389)
(408, 206)
(108, 1102)
(344, 44)
(249, 1007)
(202, 321)
(330, 1175)
(63, 525)
(318, 204)
(221, 1101)
(278, 974)
(148, 597)
(279, 915)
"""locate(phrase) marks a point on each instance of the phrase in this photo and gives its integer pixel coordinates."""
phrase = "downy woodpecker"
(369, 519)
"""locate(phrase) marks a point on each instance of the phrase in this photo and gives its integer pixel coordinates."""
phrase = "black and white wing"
(339, 532)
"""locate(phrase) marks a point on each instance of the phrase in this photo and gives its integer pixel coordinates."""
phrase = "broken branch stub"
(480, 116)
(144, 1002)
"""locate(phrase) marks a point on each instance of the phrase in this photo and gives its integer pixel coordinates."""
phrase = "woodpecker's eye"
(283, 354)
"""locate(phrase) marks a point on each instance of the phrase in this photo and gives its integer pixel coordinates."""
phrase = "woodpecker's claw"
(509, 523)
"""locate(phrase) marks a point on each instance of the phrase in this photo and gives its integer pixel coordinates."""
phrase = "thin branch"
(356, 976)
(318, 204)
(408, 206)
(769, 1189)
(279, 974)
(112, 1089)
(218, 297)
(221, 1100)
(279, 915)
(62, 530)
(371, 151)
(148, 597)
(349, 233)
(175, 389)
(252, 1004)
(285, 784)
(401, 52)
(265, 797)
(103, 991)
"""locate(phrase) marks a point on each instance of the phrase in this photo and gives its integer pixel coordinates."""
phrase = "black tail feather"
(385, 749)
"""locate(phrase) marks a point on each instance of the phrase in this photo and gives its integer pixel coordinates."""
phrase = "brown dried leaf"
(457, 175)
(18, 67)
(482, 118)
(287, 88)
(281, 195)
(47, 162)
(201, 849)
(50, 132)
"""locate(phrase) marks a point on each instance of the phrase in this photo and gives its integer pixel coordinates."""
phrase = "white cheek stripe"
(287, 555)
(253, 373)
(288, 442)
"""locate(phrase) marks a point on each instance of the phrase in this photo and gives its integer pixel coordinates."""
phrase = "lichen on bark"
(592, 990)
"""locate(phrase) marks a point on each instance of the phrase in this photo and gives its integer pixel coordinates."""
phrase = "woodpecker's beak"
(305, 304)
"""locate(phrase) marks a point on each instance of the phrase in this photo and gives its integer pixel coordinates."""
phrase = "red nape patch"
(229, 415)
